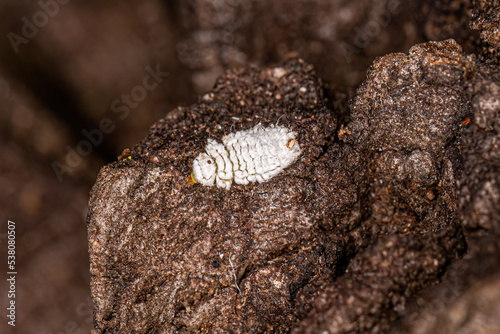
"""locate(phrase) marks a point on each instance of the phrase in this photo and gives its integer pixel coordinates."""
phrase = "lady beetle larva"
(246, 156)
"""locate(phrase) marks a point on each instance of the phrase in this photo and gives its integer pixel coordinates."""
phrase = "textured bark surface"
(404, 124)
(338, 242)
(170, 256)
(67, 76)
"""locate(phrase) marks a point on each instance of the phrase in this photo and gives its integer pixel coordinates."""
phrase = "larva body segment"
(253, 155)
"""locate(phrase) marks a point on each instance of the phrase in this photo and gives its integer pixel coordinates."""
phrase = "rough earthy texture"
(486, 18)
(480, 185)
(377, 282)
(349, 238)
(378, 207)
(405, 120)
(170, 256)
(414, 203)
(466, 301)
(404, 123)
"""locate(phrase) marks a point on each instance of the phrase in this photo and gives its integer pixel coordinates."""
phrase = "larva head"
(291, 143)
(204, 169)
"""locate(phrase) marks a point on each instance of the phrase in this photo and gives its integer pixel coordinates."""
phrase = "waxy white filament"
(247, 156)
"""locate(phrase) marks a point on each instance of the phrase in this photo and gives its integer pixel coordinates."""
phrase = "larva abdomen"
(247, 156)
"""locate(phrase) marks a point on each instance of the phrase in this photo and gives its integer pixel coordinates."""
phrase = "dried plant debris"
(338, 241)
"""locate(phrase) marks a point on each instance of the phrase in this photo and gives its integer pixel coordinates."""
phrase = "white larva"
(247, 156)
